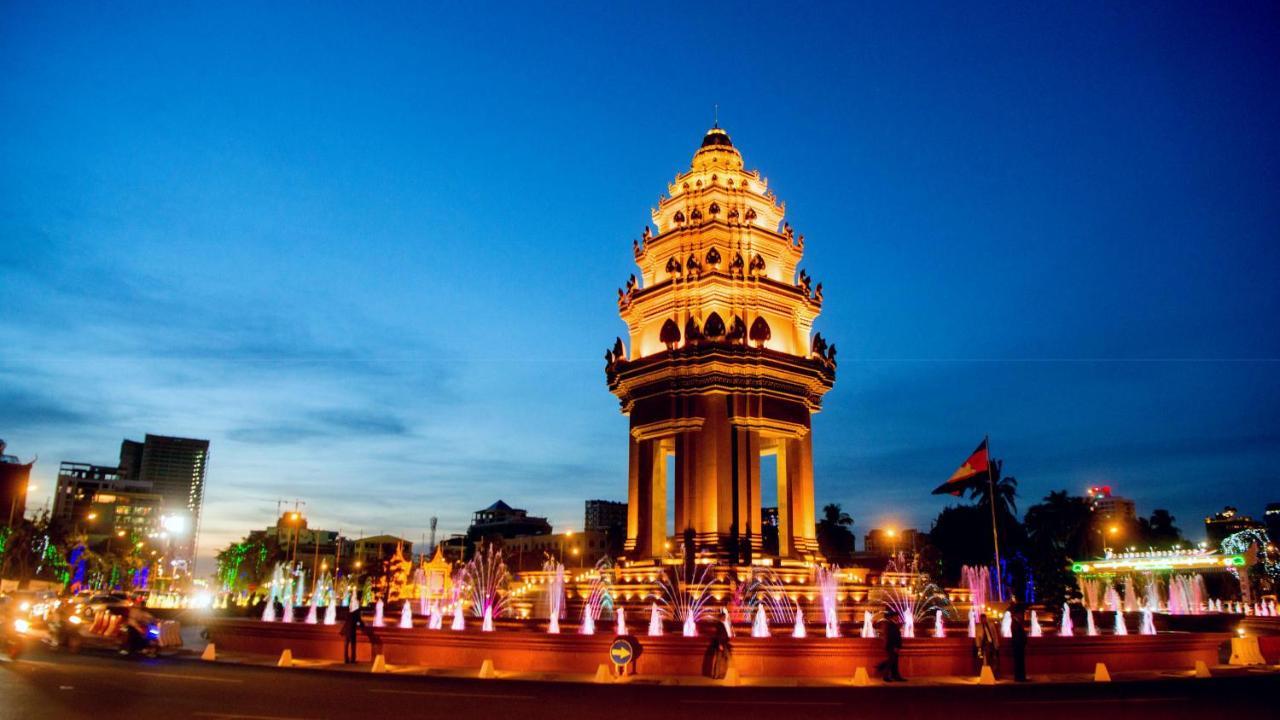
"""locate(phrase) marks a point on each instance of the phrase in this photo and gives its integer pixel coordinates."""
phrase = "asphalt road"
(48, 685)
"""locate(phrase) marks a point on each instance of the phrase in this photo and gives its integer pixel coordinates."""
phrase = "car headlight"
(74, 620)
(22, 626)
(24, 606)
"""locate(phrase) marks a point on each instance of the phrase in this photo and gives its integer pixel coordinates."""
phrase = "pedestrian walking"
(1018, 641)
(892, 634)
(350, 627)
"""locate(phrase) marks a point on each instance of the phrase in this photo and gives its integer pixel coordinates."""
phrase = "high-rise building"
(500, 520)
(77, 484)
(173, 468)
(721, 371)
(1221, 525)
(1109, 508)
(604, 514)
(15, 476)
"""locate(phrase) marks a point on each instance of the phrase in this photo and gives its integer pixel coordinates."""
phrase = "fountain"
(973, 623)
(655, 621)
(686, 601)
(622, 623)
(727, 621)
(1112, 601)
(269, 612)
(298, 587)
(312, 612)
(437, 618)
(978, 581)
(555, 597)
(939, 630)
(458, 622)
(1091, 629)
(330, 613)
(828, 588)
(486, 576)
(1120, 628)
(868, 627)
(1066, 627)
(798, 630)
(1006, 625)
(1036, 631)
(760, 625)
(598, 597)
(406, 615)
(377, 613)
(1148, 626)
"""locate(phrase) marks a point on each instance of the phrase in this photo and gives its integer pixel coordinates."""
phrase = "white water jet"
(939, 630)
(288, 612)
(655, 621)
(406, 615)
(424, 608)
(377, 614)
(622, 622)
(555, 600)
(1120, 628)
(760, 624)
(727, 622)
(1006, 625)
(487, 624)
(828, 589)
(1148, 626)
(312, 615)
(908, 625)
(1066, 628)
(459, 622)
(1036, 630)
(690, 626)
(1112, 601)
(588, 626)
(869, 627)
(299, 587)
(269, 612)
(1090, 628)
(437, 618)
(798, 631)
(973, 623)
(330, 613)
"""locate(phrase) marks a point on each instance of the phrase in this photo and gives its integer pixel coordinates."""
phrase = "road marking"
(240, 716)
(178, 676)
(443, 693)
(761, 702)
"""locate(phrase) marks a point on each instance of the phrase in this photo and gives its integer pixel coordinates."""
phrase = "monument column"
(721, 365)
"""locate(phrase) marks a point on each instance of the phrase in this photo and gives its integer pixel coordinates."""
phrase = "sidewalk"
(254, 660)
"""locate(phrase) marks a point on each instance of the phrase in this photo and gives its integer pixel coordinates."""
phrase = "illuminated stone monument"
(721, 369)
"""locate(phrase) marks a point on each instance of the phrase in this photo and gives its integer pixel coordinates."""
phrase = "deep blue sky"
(371, 252)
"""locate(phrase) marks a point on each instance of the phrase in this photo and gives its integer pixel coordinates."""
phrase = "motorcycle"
(14, 639)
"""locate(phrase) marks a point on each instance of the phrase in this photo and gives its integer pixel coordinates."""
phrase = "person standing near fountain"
(1018, 635)
(349, 629)
(987, 639)
(892, 633)
(719, 657)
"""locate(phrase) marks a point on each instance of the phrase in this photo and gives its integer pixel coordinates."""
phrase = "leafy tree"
(835, 539)
(1058, 531)
(34, 549)
(1158, 531)
(1006, 491)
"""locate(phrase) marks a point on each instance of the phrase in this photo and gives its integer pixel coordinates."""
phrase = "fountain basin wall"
(528, 650)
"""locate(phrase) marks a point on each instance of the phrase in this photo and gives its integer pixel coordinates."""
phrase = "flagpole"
(995, 535)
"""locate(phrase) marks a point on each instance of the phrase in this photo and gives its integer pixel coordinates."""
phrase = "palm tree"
(1006, 491)
(834, 537)
(833, 516)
